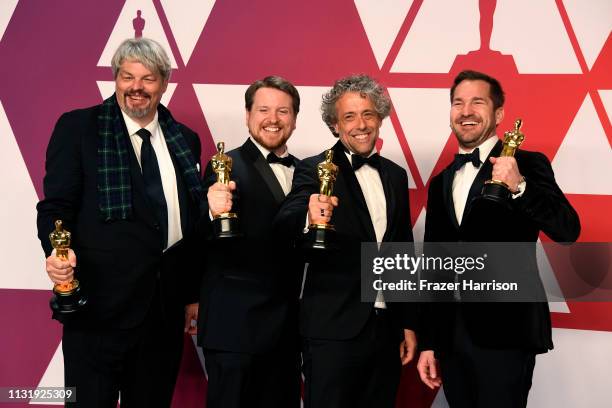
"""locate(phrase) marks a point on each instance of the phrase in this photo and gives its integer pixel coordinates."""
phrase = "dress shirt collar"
(484, 148)
(348, 154)
(265, 152)
(133, 127)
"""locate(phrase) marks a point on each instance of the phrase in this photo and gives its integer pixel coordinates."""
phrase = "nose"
(466, 109)
(273, 116)
(138, 84)
(361, 123)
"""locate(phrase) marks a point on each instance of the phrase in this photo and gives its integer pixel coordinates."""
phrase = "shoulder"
(314, 160)
(394, 170)
(529, 156)
(391, 165)
(187, 132)
(238, 153)
(80, 116)
(191, 138)
(310, 163)
(435, 184)
(533, 164)
(74, 126)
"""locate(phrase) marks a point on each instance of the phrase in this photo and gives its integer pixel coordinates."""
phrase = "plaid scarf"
(114, 184)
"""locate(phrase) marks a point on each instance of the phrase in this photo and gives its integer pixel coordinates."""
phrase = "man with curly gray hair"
(350, 348)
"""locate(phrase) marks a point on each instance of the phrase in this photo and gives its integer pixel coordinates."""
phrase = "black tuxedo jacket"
(542, 207)
(331, 306)
(120, 264)
(250, 287)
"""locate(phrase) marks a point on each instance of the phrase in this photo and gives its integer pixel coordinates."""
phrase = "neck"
(279, 151)
(144, 121)
(469, 148)
(350, 152)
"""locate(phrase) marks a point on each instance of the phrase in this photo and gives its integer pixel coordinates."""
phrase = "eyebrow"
(476, 98)
(124, 72)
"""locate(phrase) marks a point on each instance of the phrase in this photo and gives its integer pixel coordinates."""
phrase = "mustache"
(469, 117)
(360, 131)
(275, 124)
(137, 93)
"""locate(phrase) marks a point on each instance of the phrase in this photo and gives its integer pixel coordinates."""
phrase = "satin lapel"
(447, 195)
(483, 174)
(389, 197)
(264, 170)
(353, 188)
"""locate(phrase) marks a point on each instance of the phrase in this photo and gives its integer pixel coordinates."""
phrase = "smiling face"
(473, 117)
(271, 119)
(358, 123)
(138, 91)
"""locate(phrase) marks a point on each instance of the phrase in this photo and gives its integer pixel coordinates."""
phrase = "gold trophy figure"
(225, 225)
(497, 190)
(67, 297)
(321, 236)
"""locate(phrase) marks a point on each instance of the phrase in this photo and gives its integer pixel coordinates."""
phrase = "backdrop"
(554, 58)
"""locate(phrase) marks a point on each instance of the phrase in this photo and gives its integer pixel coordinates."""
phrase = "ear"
(499, 115)
(164, 86)
(336, 129)
(247, 116)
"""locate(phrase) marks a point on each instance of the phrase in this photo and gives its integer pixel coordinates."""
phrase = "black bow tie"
(285, 161)
(461, 159)
(358, 161)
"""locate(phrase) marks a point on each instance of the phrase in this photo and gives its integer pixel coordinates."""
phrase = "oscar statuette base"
(496, 191)
(320, 237)
(69, 301)
(226, 225)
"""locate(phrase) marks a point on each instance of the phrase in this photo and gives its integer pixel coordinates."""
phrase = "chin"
(272, 144)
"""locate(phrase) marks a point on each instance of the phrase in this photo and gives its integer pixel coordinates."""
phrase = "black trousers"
(362, 372)
(254, 380)
(139, 364)
(477, 377)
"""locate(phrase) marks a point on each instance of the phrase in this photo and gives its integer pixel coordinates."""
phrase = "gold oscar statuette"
(497, 190)
(67, 296)
(322, 236)
(225, 225)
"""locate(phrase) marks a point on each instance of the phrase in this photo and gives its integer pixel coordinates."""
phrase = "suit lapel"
(447, 195)
(387, 183)
(483, 174)
(263, 168)
(353, 188)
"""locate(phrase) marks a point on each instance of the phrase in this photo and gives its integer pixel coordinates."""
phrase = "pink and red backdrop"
(554, 58)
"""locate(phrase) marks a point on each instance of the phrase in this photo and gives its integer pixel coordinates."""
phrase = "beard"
(136, 113)
(271, 145)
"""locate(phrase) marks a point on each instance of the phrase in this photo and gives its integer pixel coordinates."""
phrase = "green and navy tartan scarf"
(114, 185)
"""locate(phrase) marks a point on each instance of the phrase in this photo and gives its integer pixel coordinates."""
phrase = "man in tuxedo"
(248, 304)
(123, 176)
(352, 350)
(486, 352)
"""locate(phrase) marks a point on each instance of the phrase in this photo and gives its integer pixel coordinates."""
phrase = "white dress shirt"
(465, 176)
(166, 170)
